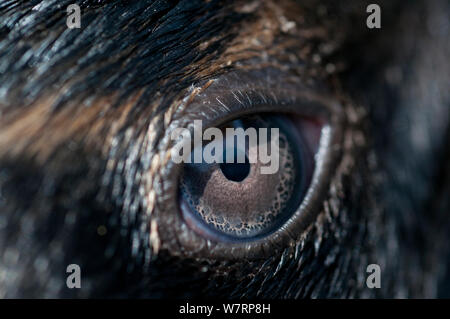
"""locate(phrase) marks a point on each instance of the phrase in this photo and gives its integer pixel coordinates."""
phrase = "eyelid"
(241, 93)
(247, 92)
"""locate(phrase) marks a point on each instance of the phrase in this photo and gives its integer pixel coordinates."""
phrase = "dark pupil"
(235, 172)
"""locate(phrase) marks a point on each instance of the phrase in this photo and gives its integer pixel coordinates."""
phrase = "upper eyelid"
(244, 92)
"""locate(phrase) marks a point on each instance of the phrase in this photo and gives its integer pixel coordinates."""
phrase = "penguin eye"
(256, 173)
(258, 180)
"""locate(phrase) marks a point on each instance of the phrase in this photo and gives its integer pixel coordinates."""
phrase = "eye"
(227, 210)
(238, 201)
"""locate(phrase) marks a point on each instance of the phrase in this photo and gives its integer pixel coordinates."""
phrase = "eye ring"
(220, 103)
